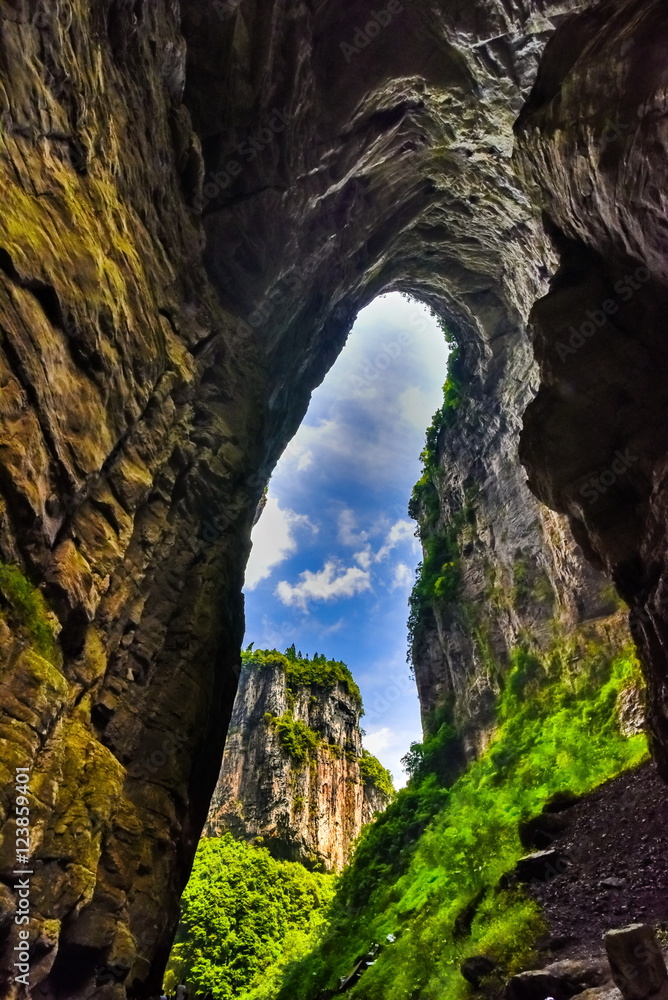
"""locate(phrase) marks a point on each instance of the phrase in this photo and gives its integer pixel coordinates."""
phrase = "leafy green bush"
(373, 773)
(302, 671)
(294, 736)
(440, 754)
(28, 611)
(243, 915)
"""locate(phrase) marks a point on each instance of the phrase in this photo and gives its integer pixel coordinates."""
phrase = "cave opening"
(465, 150)
(334, 550)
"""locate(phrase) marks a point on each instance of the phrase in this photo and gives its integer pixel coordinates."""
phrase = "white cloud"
(403, 576)
(310, 440)
(416, 407)
(347, 525)
(273, 541)
(330, 583)
(400, 531)
(378, 740)
(365, 557)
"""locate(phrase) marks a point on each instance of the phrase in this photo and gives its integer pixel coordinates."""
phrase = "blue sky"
(334, 553)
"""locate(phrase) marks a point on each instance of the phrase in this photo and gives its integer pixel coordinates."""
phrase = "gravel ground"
(618, 833)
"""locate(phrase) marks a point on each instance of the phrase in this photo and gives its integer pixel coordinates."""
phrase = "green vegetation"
(453, 393)
(302, 671)
(373, 773)
(28, 612)
(439, 754)
(298, 740)
(429, 870)
(438, 577)
(244, 915)
(301, 743)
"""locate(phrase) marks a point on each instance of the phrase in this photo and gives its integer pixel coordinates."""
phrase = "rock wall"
(308, 810)
(196, 203)
(517, 577)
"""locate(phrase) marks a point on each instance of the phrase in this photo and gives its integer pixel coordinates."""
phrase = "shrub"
(295, 737)
(373, 773)
(430, 868)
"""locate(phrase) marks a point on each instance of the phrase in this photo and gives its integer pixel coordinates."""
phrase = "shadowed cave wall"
(169, 301)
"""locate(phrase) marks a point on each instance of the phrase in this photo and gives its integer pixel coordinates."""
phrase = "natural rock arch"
(193, 360)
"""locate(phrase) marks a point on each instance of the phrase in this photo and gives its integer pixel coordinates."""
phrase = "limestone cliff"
(196, 201)
(294, 775)
(500, 570)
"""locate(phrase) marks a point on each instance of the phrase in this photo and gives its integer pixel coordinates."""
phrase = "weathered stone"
(539, 831)
(559, 980)
(310, 811)
(537, 985)
(477, 968)
(541, 865)
(612, 882)
(637, 962)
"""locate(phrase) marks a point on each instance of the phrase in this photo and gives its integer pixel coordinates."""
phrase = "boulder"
(539, 831)
(537, 985)
(637, 962)
(476, 968)
(542, 865)
(559, 981)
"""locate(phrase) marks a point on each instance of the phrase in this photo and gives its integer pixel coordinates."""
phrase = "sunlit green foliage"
(440, 752)
(28, 611)
(429, 869)
(373, 773)
(298, 740)
(438, 577)
(243, 915)
(453, 393)
(302, 671)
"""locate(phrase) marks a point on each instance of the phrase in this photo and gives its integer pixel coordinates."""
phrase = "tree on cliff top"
(304, 671)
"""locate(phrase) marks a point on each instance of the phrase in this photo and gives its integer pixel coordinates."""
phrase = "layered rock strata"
(196, 203)
(308, 807)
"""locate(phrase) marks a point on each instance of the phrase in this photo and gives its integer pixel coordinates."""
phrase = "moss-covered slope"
(433, 870)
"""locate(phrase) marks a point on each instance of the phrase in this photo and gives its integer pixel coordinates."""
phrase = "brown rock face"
(308, 810)
(170, 297)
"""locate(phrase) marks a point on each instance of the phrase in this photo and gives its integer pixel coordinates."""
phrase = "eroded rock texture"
(179, 271)
(308, 810)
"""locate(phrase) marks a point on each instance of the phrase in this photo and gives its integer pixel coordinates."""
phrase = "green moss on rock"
(27, 612)
(295, 737)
